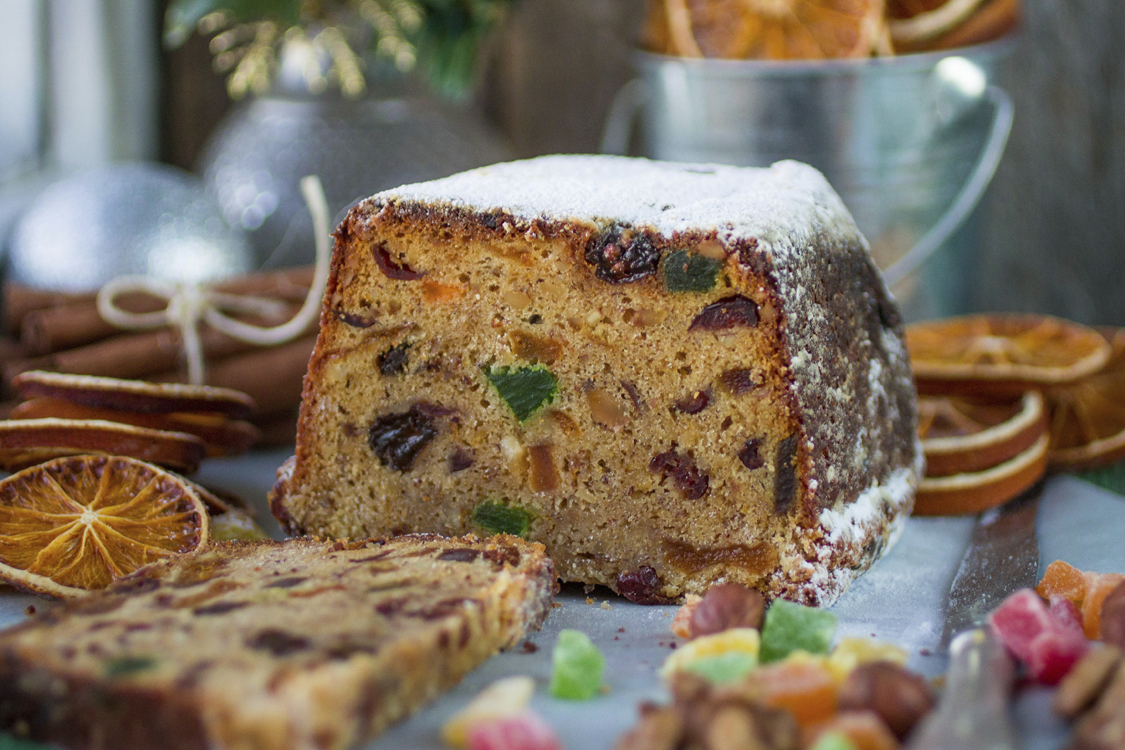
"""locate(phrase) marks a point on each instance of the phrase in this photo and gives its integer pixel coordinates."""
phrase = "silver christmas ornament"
(120, 219)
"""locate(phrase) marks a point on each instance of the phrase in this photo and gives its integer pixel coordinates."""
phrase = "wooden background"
(1051, 228)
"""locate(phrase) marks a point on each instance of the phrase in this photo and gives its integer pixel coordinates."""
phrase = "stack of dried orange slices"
(95, 496)
(1003, 398)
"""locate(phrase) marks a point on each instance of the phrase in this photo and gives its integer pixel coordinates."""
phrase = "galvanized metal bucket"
(910, 143)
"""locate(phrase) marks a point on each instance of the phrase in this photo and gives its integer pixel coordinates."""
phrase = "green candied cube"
(793, 627)
(525, 390)
(688, 272)
(577, 668)
(723, 668)
(833, 741)
(497, 518)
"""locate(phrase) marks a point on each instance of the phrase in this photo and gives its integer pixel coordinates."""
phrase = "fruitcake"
(269, 645)
(671, 375)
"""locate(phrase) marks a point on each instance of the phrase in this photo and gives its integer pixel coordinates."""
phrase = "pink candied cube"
(1065, 612)
(1048, 640)
(523, 732)
(1019, 620)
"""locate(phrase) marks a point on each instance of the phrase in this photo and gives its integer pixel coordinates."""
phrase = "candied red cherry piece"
(523, 732)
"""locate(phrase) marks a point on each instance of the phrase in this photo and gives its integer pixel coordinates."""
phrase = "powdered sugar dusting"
(854, 520)
(781, 205)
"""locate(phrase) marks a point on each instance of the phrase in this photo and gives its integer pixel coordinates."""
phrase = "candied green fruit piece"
(127, 665)
(577, 667)
(793, 627)
(688, 272)
(722, 668)
(834, 741)
(497, 518)
(524, 389)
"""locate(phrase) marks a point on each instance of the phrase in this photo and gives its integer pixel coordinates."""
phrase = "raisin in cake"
(271, 646)
(670, 375)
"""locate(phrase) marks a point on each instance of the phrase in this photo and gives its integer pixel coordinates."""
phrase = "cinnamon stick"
(138, 355)
(271, 376)
(19, 300)
(76, 323)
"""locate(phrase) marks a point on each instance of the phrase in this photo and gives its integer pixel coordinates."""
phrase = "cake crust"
(836, 405)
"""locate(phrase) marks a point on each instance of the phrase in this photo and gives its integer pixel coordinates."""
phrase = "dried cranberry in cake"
(622, 256)
(694, 403)
(641, 586)
(355, 321)
(686, 476)
(398, 439)
(393, 361)
(391, 269)
(751, 454)
(459, 460)
(734, 311)
(738, 382)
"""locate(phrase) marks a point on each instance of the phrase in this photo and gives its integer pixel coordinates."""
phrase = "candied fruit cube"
(864, 729)
(1098, 587)
(524, 732)
(801, 686)
(851, 652)
(743, 642)
(1047, 643)
(790, 627)
(577, 667)
(834, 740)
(503, 698)
(1054, 653)
(1063, 579)
(1064, 612)
(1019, 620)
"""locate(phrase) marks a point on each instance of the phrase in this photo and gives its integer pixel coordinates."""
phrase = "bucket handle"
(970, 194)
(629, 98)
(618, 128)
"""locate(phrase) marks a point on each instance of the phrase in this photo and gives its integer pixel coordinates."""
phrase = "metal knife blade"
(1003, 556)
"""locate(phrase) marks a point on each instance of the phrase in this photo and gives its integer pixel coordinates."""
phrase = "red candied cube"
(1019, 620)
(1055, 652)
(523, 732)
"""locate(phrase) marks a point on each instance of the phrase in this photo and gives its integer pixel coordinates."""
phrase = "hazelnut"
(899, 697)
(726, 606)
(1113, 617)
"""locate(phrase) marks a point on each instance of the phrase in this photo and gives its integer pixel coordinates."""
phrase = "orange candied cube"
(864, 729)
(1063, 579)
(1098, 587)
(803, 687)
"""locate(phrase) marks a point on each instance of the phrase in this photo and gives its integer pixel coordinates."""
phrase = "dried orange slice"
(77, 524)
(223, 436)
(964, 435)
(975, 491)
(1002, 354)
(133, 395)
(764, 29)
(26, 442)
(1087, 418)
(930, 21)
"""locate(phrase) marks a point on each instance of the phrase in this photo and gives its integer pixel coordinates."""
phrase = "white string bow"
(189, 303)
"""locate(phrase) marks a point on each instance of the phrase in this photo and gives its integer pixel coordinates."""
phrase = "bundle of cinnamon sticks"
(63, 332)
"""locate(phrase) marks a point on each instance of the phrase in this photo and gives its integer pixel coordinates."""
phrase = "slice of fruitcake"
(670, 375)
(296, 645)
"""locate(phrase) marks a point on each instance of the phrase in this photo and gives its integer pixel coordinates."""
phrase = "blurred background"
(217, 116)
